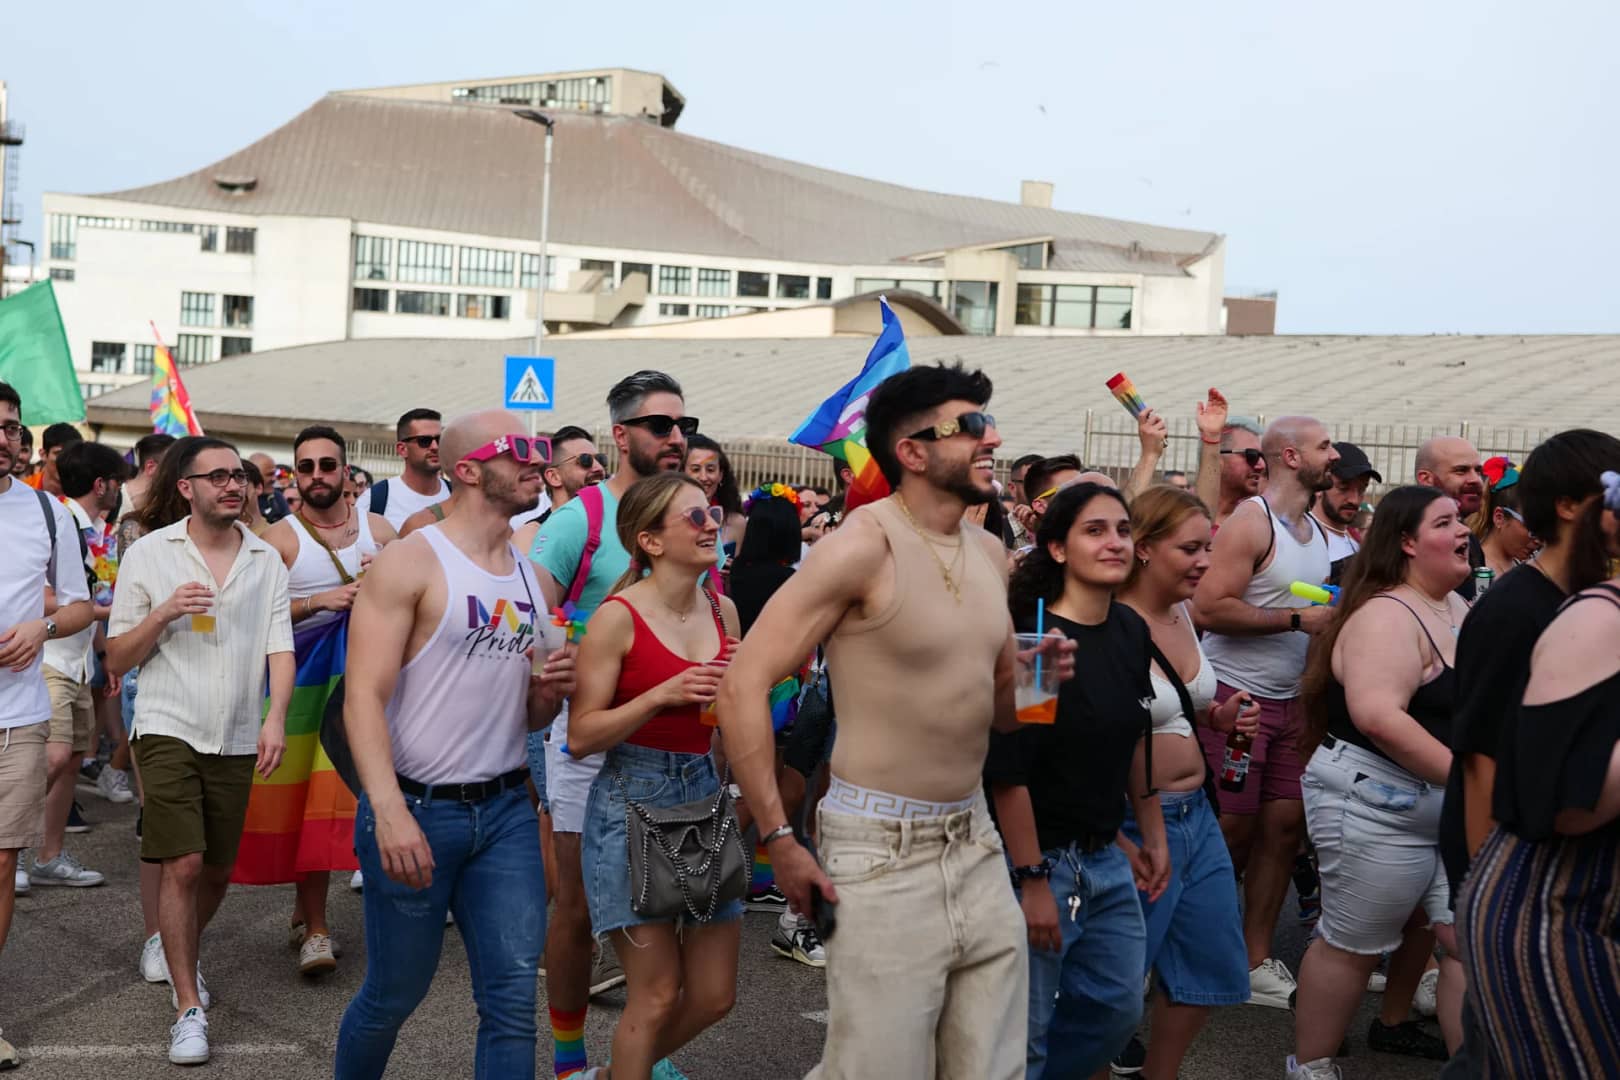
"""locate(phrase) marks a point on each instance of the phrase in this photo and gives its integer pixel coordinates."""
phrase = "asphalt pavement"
(73, 1002)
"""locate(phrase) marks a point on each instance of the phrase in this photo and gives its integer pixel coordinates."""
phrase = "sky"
(1427, 167)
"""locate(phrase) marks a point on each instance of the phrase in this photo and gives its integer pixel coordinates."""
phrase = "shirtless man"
(928, 971)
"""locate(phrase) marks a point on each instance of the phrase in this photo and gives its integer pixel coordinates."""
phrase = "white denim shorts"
(1376, 829)
(568, 780)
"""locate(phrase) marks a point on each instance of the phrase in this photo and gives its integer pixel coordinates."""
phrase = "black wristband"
(1293, 619)
(1042, 870)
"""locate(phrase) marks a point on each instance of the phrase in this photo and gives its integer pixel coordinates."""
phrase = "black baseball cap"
(1353, 464)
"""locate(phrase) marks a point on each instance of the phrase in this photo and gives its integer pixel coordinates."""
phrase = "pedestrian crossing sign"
(531, 382)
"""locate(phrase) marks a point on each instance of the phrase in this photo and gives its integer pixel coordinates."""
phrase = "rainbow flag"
(171, 405)
(838, 426)
(302, 818)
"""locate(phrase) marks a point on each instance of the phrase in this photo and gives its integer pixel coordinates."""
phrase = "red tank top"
(648, 664)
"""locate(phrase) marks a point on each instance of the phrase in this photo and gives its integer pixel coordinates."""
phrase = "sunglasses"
(1251, 457)
(969, 423)
(425, 442)
(222, 478)
(659, 425)
(585, 461)
(520, 448)
(310, 466)
(698, 516)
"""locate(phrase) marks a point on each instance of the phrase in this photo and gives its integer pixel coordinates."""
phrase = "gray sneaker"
(605, 971)
(64, 870)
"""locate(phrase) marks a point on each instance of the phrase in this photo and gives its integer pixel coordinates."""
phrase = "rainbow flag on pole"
(171, 405)
(838, 426)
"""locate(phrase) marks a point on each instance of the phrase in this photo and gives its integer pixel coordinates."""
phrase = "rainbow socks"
(568, 1042)
(764, 876)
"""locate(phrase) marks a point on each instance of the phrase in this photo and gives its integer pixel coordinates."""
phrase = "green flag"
(34, 357)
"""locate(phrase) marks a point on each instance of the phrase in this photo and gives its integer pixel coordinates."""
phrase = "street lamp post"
(536, 117)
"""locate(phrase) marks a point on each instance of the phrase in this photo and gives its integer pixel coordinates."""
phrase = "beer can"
(1483, 576)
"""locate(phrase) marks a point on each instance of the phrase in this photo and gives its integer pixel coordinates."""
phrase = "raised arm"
(1211, 425)
(1154, 433)
(1382, 656)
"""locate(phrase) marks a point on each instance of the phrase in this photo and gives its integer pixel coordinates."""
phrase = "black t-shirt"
(1493, 662)
(1077, 769)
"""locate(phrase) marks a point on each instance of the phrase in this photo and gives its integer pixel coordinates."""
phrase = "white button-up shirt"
(204, 689)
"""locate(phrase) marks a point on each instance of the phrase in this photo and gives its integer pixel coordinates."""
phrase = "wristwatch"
(50, 628)
(1293, 620)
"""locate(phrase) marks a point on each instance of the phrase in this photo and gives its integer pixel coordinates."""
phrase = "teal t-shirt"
(560, 544)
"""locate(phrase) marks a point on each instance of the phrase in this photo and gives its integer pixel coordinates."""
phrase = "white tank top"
(1168, 717)
(312, 571)
(1270, 665)
(459, 710)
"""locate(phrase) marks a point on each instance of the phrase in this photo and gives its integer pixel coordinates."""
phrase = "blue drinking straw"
(1040, 629)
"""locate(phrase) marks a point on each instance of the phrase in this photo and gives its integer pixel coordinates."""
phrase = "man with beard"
(579, 551)
(326, 546)
(419, 485)
(1335, 508)
(439, 696)
(575, 465)
(1452, 464)
(201, 606)
(1243, 466)
(1258, 635)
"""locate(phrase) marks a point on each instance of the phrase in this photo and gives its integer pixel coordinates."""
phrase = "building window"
(194, 348)
(626, 269)
(713, 311)
(529, 270)
(486, 266)
(869, 284)
(107, 356)
(675, 309)
(371, 257)
(1029, 256)
(714, 282)
(240, 241)
(1114, 305)
(238, 313)
(91, 390)
(792, 287)
(371, 299)
(234, 346)
(974, 305)
(141, 358)
(1075, 307)
(590, 93)
(196, 309)
(751, 284)
(208, 237)
(469, 306)
(62, 273)
(168, 226)
(64, 236)
(407, 302)
(419, 261)
(823, 288)
(603, 265)
(675, 280)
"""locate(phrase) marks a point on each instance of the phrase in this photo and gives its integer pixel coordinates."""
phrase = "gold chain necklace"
(944, 570)
(1443, 609)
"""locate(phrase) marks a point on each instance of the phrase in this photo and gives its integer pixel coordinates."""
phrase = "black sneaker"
(140, 815)
(1407, 1039)
(769, 899)
(75, 821)
(1130, 1060)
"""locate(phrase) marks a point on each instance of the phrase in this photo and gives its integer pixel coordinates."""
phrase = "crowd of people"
(1038, 757)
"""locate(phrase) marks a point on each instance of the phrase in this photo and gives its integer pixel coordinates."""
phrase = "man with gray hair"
(1243, 466)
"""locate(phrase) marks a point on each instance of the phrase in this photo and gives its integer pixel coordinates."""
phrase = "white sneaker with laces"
(203, 995)
(1271, 984)
(1320, 1069)
(64, 870)
(358, 881)
(21, 886)
(188, 1038)
(113, 785)
(1426, 1000)
(1376, 982)
(154, 965)
(315, 956)
(798, 940)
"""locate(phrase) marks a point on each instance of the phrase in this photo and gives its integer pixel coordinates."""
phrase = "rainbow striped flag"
(302, 818)
(171, 405)
(838, 426)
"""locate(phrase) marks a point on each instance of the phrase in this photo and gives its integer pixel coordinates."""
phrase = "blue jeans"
(487, 870)
(536, 744)
(1086, 1001)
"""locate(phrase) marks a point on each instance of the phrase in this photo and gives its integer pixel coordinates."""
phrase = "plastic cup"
(204, 622)
(706, 714)
(1035, 700)
(548, 640)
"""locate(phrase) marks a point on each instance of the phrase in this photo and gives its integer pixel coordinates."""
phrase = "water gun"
(1320, 595)
(1126, 394)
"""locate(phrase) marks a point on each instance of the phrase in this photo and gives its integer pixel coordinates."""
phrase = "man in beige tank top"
(927, 974)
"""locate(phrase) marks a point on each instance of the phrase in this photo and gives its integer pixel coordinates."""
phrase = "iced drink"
(1035, 699)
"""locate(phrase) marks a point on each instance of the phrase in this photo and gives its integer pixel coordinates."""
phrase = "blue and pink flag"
(171, 405)
(838, 426)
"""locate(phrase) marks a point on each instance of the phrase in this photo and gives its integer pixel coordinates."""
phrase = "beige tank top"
(914, 685)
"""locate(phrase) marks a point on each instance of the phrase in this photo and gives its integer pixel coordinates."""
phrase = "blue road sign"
(531, 382)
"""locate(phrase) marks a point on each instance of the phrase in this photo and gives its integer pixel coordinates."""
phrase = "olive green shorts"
(194, 802)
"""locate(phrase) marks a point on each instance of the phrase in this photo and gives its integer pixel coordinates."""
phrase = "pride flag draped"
(171, 405)
(838, 426)
(302, 818)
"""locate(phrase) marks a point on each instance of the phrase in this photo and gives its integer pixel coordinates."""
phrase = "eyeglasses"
(969, 423)
(11, 429)
(309, 466)
(1251, 457)
(425, 442)
(659, 425)
(585, 461)
(698, 516)
(523, 449)
(222, 478)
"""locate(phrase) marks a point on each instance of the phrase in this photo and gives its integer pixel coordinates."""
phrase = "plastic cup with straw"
(1035, 686)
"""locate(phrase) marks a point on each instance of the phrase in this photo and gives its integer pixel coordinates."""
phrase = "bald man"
(272, 503)
(1452, 464)
(439, 701)
(1258, 636)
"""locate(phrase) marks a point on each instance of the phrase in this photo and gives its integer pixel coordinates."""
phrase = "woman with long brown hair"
(1378, 690)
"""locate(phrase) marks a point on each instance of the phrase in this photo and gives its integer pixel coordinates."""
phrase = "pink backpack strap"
(591, 499)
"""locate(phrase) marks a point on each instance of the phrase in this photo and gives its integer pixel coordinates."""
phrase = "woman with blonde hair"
(651, 661)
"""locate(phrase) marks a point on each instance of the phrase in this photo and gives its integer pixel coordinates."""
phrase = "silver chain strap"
(723, 823)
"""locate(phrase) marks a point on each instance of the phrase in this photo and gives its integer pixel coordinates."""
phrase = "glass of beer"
(549, 637)
(1035, 685)
(203, 622)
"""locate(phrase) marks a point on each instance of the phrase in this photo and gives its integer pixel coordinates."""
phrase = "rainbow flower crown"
(773, 491)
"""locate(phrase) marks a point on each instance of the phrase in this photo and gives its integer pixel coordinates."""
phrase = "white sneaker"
(1271, 984)
(64, 870)
(203, 995)
(799, 941)
(113, 785)
(21, 886)
(9, 1058)
(358, 881)
(1376, 982)
(154, 965)
(188, 1039)
(315, 956)
(1320, 1069)
(1425, 1000)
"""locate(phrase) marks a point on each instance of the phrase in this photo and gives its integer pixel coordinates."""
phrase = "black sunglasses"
(425, 442)
(659, 426)
(307, 466)
(1251, 456)
(969, 423)
(585, 461)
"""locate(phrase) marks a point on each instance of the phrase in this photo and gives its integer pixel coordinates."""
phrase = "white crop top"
(1168, 718)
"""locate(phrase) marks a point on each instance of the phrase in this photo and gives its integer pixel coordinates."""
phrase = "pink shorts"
(1274, 762)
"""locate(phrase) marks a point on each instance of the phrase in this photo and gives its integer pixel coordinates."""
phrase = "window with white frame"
(196, 309)
(487, 266)
(194, 348)
(371, 257)
(424, 262)
(713, 282)
(675, 280)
